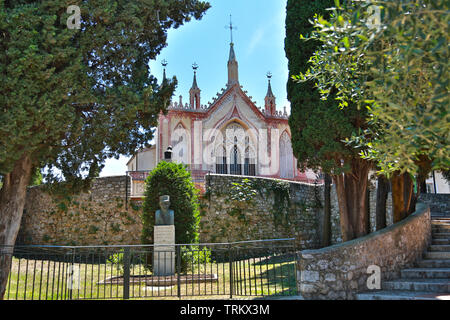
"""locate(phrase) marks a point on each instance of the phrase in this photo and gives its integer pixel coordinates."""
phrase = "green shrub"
(174, 180)
(193, 256)
(117, 259)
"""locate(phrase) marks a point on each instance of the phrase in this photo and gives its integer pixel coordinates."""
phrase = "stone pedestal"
(164, 250)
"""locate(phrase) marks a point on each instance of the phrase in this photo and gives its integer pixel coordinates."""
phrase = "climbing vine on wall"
(281, 206)
(242, 195)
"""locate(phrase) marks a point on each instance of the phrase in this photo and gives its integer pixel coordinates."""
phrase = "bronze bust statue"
(164, 216)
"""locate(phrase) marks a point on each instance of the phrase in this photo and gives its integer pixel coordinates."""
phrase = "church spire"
(164, 64)
(233, 77)
(194, 82)
(194, 92)
(269, 87)
(269, 100)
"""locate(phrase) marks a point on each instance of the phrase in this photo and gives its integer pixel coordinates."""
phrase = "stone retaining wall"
(101, 216)
(438, 202)
(96, 217)
(260, 216)
(340, 271)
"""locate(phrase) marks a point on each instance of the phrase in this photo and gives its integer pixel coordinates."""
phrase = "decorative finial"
(164, 64)
(194, 83)
(231, 27)
(269, 75)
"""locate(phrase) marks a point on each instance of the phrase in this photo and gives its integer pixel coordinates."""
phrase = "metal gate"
(216, 270)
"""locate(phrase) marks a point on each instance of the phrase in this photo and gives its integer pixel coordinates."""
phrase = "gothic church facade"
(231, 135)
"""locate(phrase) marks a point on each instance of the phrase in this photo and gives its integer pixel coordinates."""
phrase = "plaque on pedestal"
(164, 250)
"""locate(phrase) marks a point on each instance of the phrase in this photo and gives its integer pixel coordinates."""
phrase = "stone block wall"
(96, 217)
(340, 271)
(101, 216)
(226, 219)
(438, 202)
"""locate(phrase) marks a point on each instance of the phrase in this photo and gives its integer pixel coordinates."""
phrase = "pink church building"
(230, 135)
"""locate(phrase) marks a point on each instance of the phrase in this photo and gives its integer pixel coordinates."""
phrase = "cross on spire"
(231, 27)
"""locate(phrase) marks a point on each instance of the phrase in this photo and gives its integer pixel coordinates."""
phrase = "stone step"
(437, 255)
(424, 285)
(439, 214)
(440, 229)
(441, 236)
(426, 273)
(440, 222)
(440, 218)
(433, 263)
(440, 241)
(444, 225)
(440, 247)
(402, 295)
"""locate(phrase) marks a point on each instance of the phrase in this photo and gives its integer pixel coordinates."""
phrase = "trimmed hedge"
(172, 179)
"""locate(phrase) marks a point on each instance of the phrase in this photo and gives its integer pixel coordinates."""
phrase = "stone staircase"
(430, 278)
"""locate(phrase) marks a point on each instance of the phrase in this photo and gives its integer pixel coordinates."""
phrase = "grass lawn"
(51, 280)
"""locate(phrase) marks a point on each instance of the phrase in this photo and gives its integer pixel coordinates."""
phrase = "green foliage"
(396, 67)
(318, 125)
(242, 191)
(281, 192)
(446, 175)
(117, 259)
(174, 180)
(409, 83)
(73, 98)
(193, 256)
(242, 196)
(36, 178)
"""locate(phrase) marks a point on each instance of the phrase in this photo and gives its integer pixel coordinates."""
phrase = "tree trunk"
(382, 194)
(402, 196)
(423, 187)
(351, 190)
(398, 195)
(326, 227)
(12, 201)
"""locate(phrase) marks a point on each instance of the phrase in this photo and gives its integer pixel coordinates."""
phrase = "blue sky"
(259, 47)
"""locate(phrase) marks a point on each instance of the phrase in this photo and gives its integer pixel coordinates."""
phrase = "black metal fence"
(247, 268)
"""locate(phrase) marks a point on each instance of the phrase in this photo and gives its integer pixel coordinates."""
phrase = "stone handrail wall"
(340, 271)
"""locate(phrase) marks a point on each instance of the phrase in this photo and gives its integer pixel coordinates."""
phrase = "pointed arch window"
(221, 161)
(236, 153)
(235, 161)
(180, 145)
(249, 159)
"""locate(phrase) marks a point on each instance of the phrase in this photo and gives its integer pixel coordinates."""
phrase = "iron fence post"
(178, 253)
(230, 250)
(71, 275)
(126, 273)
